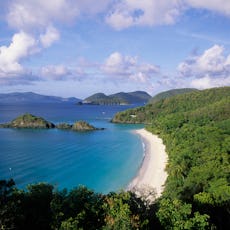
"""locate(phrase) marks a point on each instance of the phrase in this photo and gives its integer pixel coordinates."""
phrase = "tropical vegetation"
(195, 128)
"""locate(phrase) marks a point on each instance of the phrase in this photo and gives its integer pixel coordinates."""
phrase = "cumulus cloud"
(117, 64)
(128, 13)
(211, 62)
(210, 69)
(51, 35)
(34, 24)
(128, 67)
(22, 46)
(27, 15)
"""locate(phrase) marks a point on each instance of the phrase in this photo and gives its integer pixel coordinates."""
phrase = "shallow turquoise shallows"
(104, 160)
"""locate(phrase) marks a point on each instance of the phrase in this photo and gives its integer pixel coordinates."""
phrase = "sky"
(75, 48)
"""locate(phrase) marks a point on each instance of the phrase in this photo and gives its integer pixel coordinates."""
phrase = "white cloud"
(146, 12)
(117, 64)
(55, 72)
(34, 22)
(208, 82)
(211, 63)
(28, 15)
(49, 37)
(127, 13)
(22, 46)
(210, 69)
(128, 67)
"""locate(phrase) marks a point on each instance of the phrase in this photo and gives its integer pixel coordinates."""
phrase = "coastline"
(152, 172)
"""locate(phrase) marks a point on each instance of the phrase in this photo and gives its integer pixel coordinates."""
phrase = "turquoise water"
(104, 160)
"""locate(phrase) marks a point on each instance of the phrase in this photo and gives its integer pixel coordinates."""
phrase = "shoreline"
(152, 174)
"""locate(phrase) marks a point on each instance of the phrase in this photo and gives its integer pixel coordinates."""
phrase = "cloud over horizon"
(211, 68)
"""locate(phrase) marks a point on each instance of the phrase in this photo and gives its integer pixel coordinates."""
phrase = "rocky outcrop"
(77, 126)
(64, 126)
(83, 126)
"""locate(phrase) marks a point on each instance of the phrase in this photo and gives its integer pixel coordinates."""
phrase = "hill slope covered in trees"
(195, 128)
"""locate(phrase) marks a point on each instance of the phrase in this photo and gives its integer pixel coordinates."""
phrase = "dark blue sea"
(104, 160)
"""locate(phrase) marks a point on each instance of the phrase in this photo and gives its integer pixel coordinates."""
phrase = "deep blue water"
(104, 160)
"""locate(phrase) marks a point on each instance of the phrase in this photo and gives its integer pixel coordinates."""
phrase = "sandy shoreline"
(152, 172)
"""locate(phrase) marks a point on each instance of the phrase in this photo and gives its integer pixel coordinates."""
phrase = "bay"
(104, 160)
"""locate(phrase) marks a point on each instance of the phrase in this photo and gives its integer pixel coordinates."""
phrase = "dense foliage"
(43, 207)
(195, 128)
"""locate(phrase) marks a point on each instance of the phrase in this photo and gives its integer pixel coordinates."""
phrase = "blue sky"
(77, 48)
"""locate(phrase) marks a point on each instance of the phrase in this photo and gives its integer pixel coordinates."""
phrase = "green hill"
(176, 104)
(170, 93)
(195, 128)
(118, 98)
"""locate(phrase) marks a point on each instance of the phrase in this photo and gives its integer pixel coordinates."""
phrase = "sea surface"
(105, 160)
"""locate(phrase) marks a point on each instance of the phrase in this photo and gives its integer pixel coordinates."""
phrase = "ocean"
(104, 160)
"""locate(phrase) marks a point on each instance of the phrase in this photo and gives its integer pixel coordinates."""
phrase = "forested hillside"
(195, 128)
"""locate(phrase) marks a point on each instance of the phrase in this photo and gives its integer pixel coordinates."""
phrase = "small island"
(77, 126)
(33, 122)
(28, 121)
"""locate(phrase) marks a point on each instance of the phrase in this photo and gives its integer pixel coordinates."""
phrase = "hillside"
(195, 128)
(137, 97)
(29, 97)
(176, 104)
(170, 93)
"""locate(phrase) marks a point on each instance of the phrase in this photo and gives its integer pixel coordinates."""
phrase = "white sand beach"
(152, 173)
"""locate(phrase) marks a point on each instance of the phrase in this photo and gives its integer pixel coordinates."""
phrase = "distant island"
(137, 97)
(33, 122)
(30, 97)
